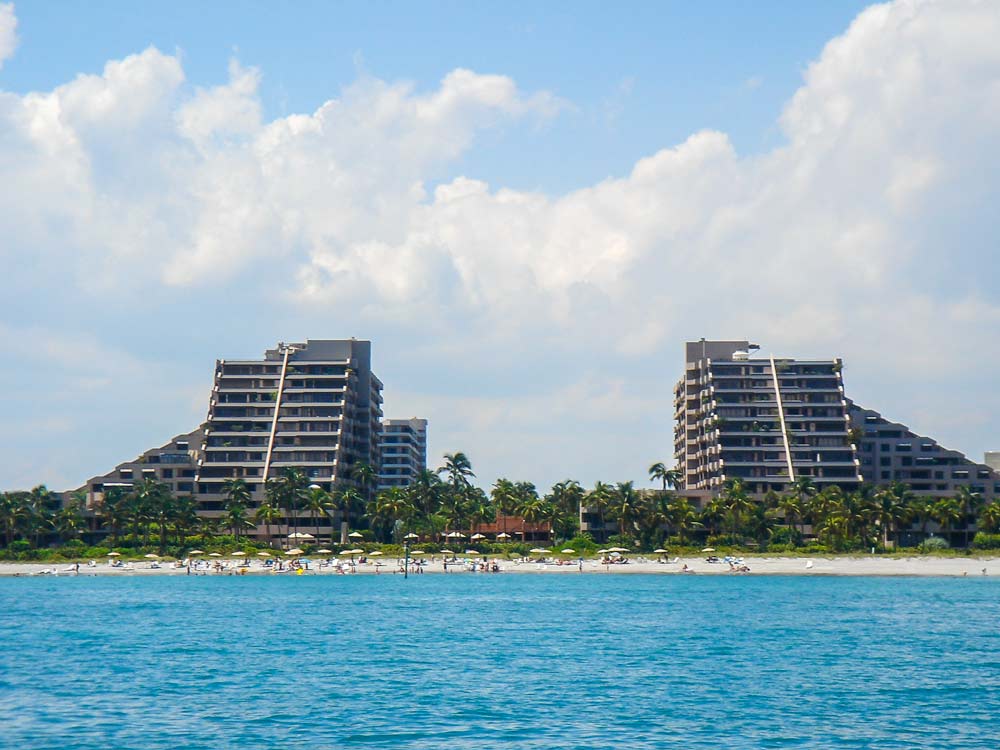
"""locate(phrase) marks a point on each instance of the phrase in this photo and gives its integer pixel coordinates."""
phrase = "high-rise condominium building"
(314, 406)
(770, 420)
(766, 421)
(403, 451)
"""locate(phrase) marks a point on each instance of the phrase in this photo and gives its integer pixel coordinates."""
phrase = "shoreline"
(858, 566)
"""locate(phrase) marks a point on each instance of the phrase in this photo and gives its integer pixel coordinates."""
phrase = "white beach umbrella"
(503, 535)
(356, 535)
(538, 550)
(114, 554)
(709, 549)
(295, 551)
(569, 551)
(660, 551)
(214, 554)
(357, 552)
(263, 554)
(471, 552)
(300, 535)
(324, 551)
(151, 556)
(197, 552)
(455, 535)
(238, 554)
(477, 536)
(417, 552)
(447, 552)
(376, 553)
(411, 535)
(347, 552)
(618, 549)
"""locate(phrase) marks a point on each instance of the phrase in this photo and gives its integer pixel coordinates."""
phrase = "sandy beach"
(805, 566)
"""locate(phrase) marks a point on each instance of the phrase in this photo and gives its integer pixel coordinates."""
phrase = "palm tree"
(504, 496)
(317, 501)
(267, 514)
(736, 501)
(804, 491)
(185, 517)
(237, 492)
(12, 512)
(946, 511)
(892, 506)
(625, 506)
(237, 519)
(390, 506)
(790, 505)
(347, 500)
(366, 477)
(599, 498)
(989, 518)
(458, 468)
(970, 503)
(670, 477)
(567, 500)
(682, 516)
(425, 494)
(163, 509)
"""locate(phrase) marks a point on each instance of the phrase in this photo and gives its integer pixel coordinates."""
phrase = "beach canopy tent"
(300, 535)
(503, 535)
(477, 536)
(455, 535)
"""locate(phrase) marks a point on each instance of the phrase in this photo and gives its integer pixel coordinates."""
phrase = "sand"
(807, 566)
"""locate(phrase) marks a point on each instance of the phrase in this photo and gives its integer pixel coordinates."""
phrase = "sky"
(528, 208)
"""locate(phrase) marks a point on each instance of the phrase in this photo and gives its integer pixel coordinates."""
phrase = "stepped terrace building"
(314, 406)
(766, 421)
(403, 449)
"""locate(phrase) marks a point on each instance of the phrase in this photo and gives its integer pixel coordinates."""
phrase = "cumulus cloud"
(866, 233)
(8, 32)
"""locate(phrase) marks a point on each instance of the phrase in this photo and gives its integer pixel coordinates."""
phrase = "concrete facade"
(403, 450)
(766, 421)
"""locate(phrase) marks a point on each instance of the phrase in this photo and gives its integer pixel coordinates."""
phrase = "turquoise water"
(467, 661)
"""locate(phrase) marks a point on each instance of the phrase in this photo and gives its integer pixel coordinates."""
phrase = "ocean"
(499, 661)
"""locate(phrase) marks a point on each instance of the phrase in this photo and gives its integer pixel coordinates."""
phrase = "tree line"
(444, 500)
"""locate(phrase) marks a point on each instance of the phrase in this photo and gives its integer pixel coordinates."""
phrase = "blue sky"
(527, 207)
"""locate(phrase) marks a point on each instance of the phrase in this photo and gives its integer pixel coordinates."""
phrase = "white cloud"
(8, 32)
(852, 237)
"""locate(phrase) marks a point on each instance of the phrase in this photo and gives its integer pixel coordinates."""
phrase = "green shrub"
(772, 547)
(582, 543)
(984, 540)
(784, 535)
(934, 544)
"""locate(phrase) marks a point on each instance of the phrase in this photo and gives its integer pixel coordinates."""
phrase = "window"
(885, 461)
(887, 475)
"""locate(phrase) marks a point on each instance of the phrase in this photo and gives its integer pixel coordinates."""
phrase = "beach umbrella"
(618, 549)
(539, 550)
(295, 551)
(477, 536)
(356, 535)
(238, 554)
(660, 551)
(455, 535)
(603, 551)
(709, 549)
(569, 551)
(300, 535)
(197, 552)
(214, 554)
(114, 554)
(418, 552)
(357, 552)
(411, 535)
(263, 554)
(503, 535)
(151, 556)
(346, 552)
(471, 552)
(376, 553)
(324, 551)
(447, 552)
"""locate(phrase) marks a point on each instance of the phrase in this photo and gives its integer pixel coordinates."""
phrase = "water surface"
(482, 661)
